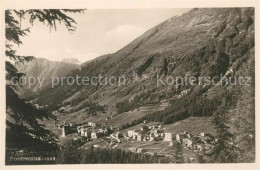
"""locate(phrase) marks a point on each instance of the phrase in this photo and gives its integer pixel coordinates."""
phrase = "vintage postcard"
(156, 84)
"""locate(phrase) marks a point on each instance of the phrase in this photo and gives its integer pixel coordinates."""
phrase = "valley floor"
(193, 125)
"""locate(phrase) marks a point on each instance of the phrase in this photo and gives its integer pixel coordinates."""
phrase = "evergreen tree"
(23, 129)
(244, 123)
(200, 158)
(225, 150)
(178, 153)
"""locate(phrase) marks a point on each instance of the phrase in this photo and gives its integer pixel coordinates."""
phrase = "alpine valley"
(149, 115)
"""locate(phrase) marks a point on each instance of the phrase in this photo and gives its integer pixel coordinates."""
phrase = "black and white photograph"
(129, 85)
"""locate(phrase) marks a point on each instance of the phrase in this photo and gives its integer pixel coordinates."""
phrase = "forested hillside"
(200, 43)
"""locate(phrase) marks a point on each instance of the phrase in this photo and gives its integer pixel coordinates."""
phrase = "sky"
(99, 32)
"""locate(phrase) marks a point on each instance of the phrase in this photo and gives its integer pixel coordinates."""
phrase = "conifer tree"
(23, 129)
(225, 150)
(244, 115)
(178, 153)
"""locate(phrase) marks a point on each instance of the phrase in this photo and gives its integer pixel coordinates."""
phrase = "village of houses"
(149, 138)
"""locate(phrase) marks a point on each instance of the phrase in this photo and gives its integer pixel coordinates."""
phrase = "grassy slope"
(193, 125)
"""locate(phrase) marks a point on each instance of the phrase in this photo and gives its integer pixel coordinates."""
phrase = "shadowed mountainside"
(201, 43)
(42, 69)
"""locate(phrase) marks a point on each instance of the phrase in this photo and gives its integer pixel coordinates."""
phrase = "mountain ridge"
(201, 42)
(42, 69)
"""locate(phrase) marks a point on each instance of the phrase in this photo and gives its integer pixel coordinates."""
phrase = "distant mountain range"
(70, 60)
(43, 69)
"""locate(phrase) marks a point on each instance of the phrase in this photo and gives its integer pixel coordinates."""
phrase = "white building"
(130, 133)
(169, 137)
(187, 142)
(179, 137)
(92, 124)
